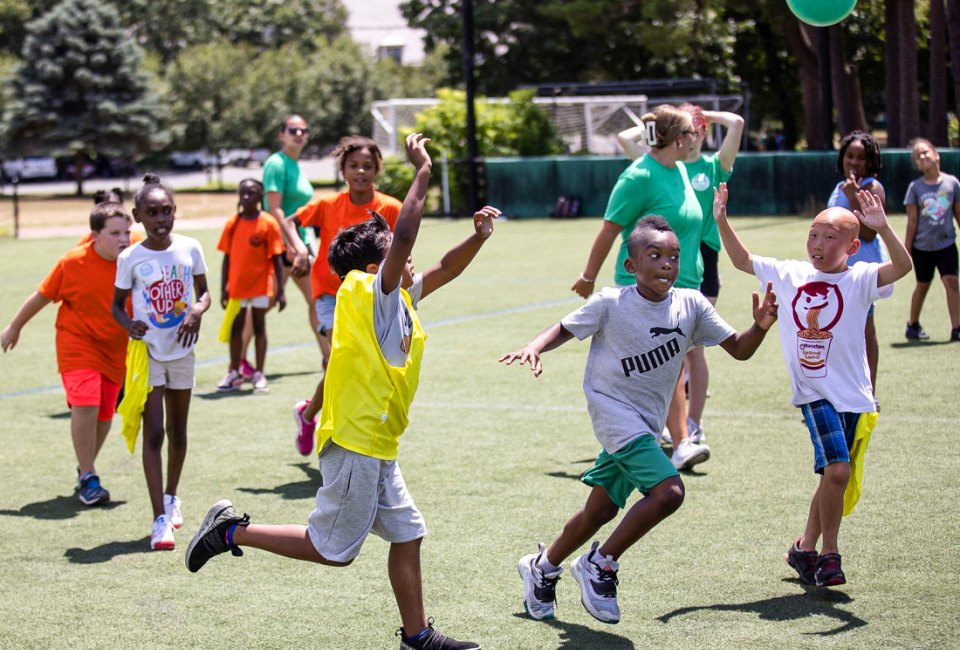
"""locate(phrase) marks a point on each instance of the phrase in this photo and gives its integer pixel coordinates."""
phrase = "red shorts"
(91, 388)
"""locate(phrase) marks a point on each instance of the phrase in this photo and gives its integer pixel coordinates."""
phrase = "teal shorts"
(640, 465)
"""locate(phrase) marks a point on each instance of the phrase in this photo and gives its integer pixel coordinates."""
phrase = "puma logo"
(657, 331)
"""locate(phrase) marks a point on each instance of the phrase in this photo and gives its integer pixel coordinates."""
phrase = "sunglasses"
(297, 131)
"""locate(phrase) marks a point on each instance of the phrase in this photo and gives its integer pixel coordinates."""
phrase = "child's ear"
(630, 266)
(854, 247)
(372, 268)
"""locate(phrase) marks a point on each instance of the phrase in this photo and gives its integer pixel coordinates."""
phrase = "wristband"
(584, 278)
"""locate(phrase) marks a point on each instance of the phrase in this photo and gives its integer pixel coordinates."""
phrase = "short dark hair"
(151, 182)
(352, 143)
(359, 245)
(104, 211)
(641, 232)
(869, 144)
(113, 195)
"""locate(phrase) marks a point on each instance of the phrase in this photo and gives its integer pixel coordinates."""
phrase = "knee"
(837, 473)
(950, 282)
(669, 495)
(597, 516)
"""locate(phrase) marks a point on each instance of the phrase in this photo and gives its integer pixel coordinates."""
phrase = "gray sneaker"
(687, 454)
(210, 538)
(539, 588)
(597, 577)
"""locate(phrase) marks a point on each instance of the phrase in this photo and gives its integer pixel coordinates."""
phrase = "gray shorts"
(175, 375)
(324, 306)
(360, 495)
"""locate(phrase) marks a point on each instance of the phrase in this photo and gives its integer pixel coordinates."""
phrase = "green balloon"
(821, 13)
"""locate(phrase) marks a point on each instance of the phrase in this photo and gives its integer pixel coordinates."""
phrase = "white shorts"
(360, 495)
(259, 302)
(175, 375)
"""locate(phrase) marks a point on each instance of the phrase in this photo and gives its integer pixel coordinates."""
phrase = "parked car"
(192, 159)
(66, 166)
(243, 157)
(30, 167)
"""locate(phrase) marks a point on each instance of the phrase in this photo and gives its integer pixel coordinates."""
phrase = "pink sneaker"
(305, 428)
(246, 370)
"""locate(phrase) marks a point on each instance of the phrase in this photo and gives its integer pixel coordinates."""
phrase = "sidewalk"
(201, 223)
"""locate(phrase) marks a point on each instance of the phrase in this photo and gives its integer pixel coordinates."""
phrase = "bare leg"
(313, 408)
(403, 566)
(304, 285)
(238, 348)
(245, 337)
(917, 299)
(952, 288)
(811, 532)
(178, 408)
(152, 448)
(699, 375)
(677, 414)
(260, 332)
(103, 428)
(583, 525)
(84, 430)
(662, 501)
(288, 540)
(832, 486)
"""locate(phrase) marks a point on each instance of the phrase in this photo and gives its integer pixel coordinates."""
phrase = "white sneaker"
(171, 508)
(539, 588)
(695, 431)
(259, 382)
(665, 437)
(687, 454)
(597, 577)
(233, 380)
(161, 537)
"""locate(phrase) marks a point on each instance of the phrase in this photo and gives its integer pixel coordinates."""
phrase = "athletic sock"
(545, 565)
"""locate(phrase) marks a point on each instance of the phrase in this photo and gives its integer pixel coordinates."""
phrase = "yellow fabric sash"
(136, 385)
(861, 438)
(226, 327)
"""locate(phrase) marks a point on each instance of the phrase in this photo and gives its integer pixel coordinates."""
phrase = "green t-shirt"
(281, 173)
(706, 174)
(646, 187)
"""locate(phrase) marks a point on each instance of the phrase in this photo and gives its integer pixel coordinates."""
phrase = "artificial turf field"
(492, 457)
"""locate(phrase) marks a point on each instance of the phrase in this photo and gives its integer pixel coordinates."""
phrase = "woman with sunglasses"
(656, 184)
(287, 190)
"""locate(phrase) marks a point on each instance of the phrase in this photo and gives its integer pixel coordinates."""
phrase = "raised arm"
(549, 339)
(608, 234)
(742, 345)
(411, 212)
(459, 257)
(730, 145)
(30, 308)
(630, 138)
(872, 216)
(737, 252)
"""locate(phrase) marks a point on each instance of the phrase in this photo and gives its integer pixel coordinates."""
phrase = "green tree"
(79, 89)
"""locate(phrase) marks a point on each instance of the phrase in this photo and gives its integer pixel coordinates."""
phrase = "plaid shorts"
(831, 433)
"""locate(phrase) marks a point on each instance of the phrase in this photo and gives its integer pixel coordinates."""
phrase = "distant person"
(252, 248)
(109, 196)
(933, 204)
(374, 371)
(90, 345)
(360, 163)
(822, 341)
(657, 184)
(640, 334)
(859, 161)
(166, 277)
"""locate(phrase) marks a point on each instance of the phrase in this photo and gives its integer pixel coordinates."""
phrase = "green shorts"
(641, 465)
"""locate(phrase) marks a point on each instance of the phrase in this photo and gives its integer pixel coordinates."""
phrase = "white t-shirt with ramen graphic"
(636, 354)
(161, 288)
(821, 321)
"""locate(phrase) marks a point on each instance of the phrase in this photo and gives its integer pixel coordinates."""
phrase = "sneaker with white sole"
(161, 537)
(665, 437)
(90, 492)
(433, 639)
(695, 431)
(597, 577)
(171, 508)
(539, 588)
(687, 454)
(306, 429)
(259, 382)
(915, 332)
(233, 380)
(211, 538)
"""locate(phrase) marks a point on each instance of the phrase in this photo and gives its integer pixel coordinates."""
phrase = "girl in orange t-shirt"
(91, 345)
(253, 274)
(360, 164)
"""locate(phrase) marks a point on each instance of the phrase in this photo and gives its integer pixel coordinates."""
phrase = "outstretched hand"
(483, 221)
(871, 213)
(524, 355)
(416, 145)
(720, 202)
(765, 313)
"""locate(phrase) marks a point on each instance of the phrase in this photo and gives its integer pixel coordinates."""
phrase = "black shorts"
(943, 260)
(710, 286)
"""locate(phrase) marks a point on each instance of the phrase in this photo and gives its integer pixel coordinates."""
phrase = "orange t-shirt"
(88, 338)
(251, 245)
(333, 213)
(135, 237)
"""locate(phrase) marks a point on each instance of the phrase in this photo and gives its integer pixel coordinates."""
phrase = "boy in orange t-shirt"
(253, 274)
(360, 164)
(91, 346)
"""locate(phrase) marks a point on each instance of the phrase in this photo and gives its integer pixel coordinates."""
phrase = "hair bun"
(150, 179)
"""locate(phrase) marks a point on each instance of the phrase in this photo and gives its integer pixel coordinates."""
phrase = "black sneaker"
(829, 573)
(803, 562)
(211, 539)
(434, 639)
(915, 332)
(90, 492)
(955, 334)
